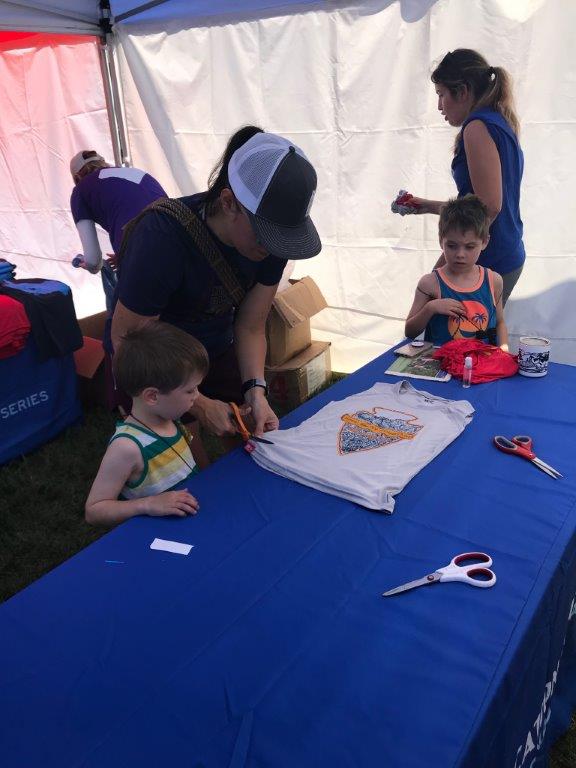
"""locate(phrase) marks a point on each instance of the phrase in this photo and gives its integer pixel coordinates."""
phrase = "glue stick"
(467, 372)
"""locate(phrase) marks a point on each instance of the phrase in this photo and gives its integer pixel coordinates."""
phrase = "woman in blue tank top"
(488, 160)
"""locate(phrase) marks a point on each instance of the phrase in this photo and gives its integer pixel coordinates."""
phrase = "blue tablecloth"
(270, 643)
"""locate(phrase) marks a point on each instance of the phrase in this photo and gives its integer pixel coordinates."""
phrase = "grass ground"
(42, 499)
(42, 517)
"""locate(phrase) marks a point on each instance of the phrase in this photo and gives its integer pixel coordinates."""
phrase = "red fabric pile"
(14, 327)
(488, 363)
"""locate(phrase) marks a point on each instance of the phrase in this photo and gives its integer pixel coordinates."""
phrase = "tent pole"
(139, 9)
(112, 88)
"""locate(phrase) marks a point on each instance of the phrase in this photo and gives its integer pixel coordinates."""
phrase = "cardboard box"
(94, 325)
(89, 361)
(293, 382)
(288, 325)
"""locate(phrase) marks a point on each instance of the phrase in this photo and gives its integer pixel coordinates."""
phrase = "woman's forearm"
(90, 245)
(434, 206)
(125, 320)
(250, 351)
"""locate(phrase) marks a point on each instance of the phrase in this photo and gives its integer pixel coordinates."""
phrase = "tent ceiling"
(58, 16)
(81, 16)
(189, 9)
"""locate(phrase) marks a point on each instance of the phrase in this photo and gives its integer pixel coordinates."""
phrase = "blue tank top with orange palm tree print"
(480, 320)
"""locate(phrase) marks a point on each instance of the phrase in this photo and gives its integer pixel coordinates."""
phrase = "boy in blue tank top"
(149, 458)
(461, 299)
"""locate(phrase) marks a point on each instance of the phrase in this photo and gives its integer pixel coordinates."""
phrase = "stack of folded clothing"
(50, 310)
(7, 270)
(14, 327)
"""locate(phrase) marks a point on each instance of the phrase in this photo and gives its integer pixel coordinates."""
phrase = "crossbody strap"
(201, 238)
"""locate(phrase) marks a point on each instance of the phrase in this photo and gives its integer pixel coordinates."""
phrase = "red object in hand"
(405, 199)
(404, 203)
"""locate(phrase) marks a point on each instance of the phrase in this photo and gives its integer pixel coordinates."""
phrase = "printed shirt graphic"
(480, 309)
(366, 430)
(367, 447)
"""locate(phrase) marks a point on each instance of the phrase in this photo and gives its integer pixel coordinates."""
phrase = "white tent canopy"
(77, 17)
(349, 82)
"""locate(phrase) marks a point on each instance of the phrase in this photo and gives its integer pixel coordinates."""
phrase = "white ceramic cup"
(533, 356)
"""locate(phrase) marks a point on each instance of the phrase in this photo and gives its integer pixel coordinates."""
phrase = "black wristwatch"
(254, 383)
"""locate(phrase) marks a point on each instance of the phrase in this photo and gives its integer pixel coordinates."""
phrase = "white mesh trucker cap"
(275, 182)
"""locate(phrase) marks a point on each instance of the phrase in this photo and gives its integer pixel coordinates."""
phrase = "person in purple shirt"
(109, 196)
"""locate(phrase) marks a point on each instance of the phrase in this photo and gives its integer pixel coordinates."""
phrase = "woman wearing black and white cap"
(256, 214)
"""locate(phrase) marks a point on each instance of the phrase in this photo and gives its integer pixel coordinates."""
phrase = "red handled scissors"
(521, 445)
(476, 573)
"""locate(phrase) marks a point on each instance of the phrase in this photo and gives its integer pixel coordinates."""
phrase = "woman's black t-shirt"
(162, 273)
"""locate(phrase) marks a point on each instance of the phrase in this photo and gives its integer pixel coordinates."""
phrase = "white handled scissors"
(476, 573)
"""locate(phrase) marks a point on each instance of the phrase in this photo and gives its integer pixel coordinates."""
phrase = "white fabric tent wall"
(351, 86)
(53, 105)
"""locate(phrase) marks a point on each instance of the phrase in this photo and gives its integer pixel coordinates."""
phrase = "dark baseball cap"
(275, 182)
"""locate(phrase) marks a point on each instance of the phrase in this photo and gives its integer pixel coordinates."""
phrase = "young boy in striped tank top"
(460, 299)
(160, 367)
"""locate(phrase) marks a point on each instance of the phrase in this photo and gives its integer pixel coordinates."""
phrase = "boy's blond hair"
(465, 214)
(158, 355)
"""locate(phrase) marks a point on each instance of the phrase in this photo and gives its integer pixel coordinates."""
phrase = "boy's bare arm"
(427, 304)
(501, 329)
(421, 311)
(121, 460)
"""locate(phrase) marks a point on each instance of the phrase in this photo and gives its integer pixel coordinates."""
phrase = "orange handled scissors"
(243, 429)
(521, 445)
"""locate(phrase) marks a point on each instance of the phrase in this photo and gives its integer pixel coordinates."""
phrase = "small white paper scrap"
(171, 546)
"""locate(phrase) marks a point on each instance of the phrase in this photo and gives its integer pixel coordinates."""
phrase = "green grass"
(563, 753)
(42, 499)
(42, 524)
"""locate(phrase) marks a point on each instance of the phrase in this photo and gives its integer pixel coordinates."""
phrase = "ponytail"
(218, 179)
(498, 96)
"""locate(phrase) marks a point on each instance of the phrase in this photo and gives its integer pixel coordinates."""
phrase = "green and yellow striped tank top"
(167, 460)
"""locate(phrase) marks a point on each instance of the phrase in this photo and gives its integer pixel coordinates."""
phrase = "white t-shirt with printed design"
(367, 447)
